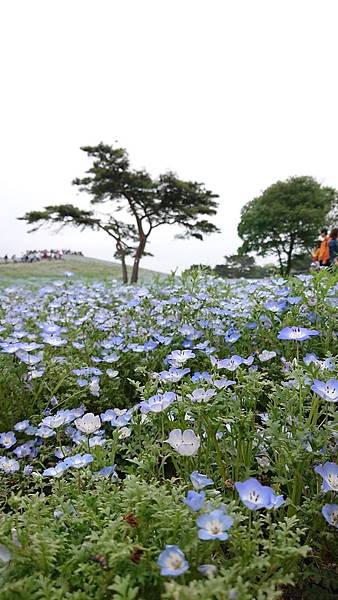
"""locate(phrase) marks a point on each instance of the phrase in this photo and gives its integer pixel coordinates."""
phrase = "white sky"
(236, 94)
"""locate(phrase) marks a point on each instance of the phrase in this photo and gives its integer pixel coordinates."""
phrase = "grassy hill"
(82, 267)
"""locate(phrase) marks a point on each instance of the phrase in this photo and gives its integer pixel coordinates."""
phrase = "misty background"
(233, 94)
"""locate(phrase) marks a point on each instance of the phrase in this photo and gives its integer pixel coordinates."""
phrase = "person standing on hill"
(333, 247)
(324, 253)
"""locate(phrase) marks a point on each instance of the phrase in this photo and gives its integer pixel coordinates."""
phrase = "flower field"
(175, 441)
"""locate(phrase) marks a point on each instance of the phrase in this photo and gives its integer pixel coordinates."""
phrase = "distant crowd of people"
(31, 256)
(325, 253)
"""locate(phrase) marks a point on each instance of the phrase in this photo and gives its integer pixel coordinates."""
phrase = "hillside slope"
(82, 266)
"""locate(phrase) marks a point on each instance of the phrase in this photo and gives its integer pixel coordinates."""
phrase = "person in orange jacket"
(324, 252)
(315, 254)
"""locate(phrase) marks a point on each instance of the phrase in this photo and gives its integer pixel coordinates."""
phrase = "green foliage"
(242, 265)
(82, 536)
(108, 536)
(285, 219)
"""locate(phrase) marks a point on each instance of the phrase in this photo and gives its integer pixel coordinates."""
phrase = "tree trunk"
(289, 258)
(281, 266)
(124, 269)
(138, 256)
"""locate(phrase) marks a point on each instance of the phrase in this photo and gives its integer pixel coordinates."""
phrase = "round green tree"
(285, 219)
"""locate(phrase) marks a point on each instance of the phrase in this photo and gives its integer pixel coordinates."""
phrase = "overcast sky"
(236, 94)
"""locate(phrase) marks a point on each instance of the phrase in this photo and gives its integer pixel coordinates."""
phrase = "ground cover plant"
(174, 441)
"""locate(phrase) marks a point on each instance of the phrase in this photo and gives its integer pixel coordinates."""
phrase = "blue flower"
(108, 472)
(329, 472)
(158, 402)
(254, 495)
(7, 440)
(330, 514)
(299, 334)
(328, 390)
(5, 554)
(208, 570)
(56, 471)
(232, 363)
(232, 335)
(9, 465)
(172, 561)
(275, 306)
(214, 525)
(78, 460)
(223, 383)
(199, 480)
(178, 357)
(21, 425)
(201, 395)
(310, 358)
(28, 470)
(194, 500)
(26, 449)
(44, 432)
(173, 375)
(265, 355)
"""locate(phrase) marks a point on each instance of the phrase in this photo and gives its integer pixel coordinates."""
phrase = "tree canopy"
(148, 202)
(242, 265)
(285, 219)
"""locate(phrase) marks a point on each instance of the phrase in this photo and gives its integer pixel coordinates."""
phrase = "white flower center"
(333, 481)
(334, 517)
(214, 527)
(174, 562)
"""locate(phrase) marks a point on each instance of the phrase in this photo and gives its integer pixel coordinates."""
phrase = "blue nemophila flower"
(232, 363)
(275, 306)
(299, 334)
(173, 375)
(7, 440)
(266, 355)
(232, 335)
(178, 357)
(44, 432)
(194, 500)
(50, 328)
(208, 570)
(26, 449)
(53, 340)
(205, 376)
(111, 373)
(199, 480)
(29, 359)
(201, 395)
(330, 514)
(329, 472)
(56, 471)
(108, 472)
(214, 525)
(21, 425)
(9, 465)
(310, 358)
(172, 561)
(88, 423)
(78, 461)
(158, 402)
(223, 383)
(328, 390)
(254, 495)
(184, 442)
(5, 554)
